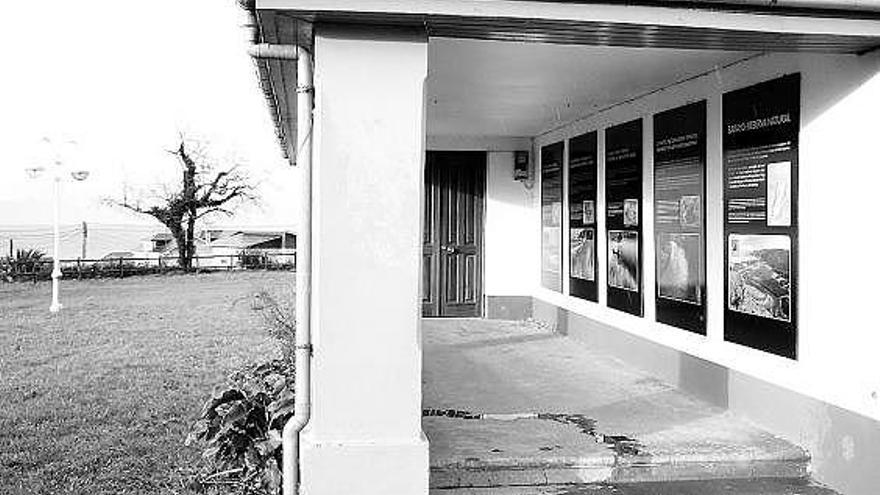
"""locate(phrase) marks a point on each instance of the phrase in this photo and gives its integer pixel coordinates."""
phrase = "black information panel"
(583, 265)
(760, 126)
(551, 216)
(679, 219)
(623, 198)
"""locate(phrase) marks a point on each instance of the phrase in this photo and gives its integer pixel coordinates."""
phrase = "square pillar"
(365, 432)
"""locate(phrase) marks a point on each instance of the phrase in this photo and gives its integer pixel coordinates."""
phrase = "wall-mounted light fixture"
(522, 170)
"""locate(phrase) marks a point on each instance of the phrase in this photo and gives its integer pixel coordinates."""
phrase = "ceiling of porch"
(493, 88)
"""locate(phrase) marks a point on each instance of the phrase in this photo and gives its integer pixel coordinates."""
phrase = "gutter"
(425, 9)
(784, 5)
(263, 72)
(303, 158)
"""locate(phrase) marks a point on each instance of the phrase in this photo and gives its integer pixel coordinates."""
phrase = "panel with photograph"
(679, 223)
(582, 189)
(761, 133)
(551, 216)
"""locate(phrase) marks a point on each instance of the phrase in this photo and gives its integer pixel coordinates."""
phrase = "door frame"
(482, 302)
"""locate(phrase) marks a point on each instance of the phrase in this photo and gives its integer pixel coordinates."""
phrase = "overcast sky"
(122, 79)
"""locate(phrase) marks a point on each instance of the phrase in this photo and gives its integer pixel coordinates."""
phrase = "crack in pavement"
(621, 444)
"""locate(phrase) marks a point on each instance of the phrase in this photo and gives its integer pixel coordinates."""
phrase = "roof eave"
(817, 26)
(277, 77)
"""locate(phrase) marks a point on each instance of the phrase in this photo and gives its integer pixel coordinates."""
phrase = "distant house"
(223, 248)
(248, 247)
(255, 240)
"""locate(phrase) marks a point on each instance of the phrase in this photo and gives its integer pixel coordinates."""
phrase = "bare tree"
(203, 191)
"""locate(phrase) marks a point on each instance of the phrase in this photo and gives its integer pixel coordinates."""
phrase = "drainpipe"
(303, 353)
(302, 158)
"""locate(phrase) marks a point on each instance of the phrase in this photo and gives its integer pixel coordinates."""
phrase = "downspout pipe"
(279, 52)
(303, 337)
(303, 159)
(303, 352)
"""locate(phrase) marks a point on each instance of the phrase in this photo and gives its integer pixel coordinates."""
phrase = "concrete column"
(365, 433)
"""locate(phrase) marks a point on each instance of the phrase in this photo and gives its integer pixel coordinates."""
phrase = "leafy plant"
(240, 426)
(26, 260)
(23, 261)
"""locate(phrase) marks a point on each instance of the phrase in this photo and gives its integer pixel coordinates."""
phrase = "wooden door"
(452, 271)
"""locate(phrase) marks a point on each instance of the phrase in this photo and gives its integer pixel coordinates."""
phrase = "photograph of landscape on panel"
(760, 275)
(761, 125)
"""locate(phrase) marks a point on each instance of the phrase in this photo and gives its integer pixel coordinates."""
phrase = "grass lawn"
(98, 398)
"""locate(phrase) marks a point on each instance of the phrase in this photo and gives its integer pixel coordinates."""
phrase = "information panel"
(551, 216)
(583, 263)
(623, 201)
(760, 125)
(679, 219)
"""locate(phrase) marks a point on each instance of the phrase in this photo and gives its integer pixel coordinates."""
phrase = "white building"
(692, 170)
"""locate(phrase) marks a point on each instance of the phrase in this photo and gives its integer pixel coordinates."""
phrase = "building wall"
(829, 399)
(508, 207)
(511, 256)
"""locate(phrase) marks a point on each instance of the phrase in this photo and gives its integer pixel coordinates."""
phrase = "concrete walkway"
(510, 404)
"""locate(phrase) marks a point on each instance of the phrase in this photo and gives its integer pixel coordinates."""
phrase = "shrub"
(253, 259)
(25, 261)
(240, 425)
(28, 259)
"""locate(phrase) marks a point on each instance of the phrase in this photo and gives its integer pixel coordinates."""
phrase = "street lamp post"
(57, 176)
(56, 242)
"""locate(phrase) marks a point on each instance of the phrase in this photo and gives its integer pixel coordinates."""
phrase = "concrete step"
(548, 452)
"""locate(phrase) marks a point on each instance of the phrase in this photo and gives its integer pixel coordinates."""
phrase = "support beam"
(365, 433)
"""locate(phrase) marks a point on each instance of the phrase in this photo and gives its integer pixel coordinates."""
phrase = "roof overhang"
(817, 26)
(732, 25)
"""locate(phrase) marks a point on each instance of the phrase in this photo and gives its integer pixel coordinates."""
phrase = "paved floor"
(557, 412)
